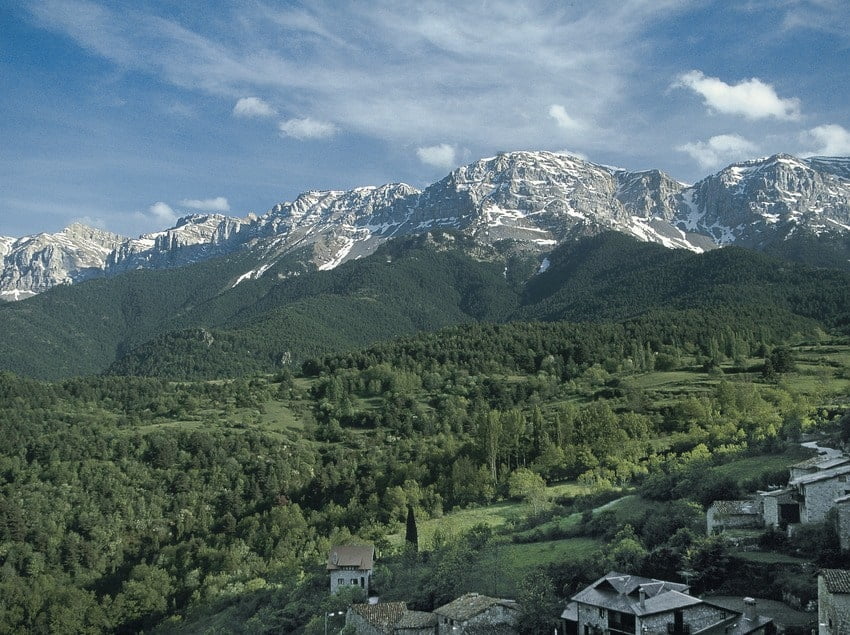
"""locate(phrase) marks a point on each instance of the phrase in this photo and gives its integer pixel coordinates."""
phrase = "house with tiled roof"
(623, 604)
(817, 486)
(833, 602)
(475, 613)
(816, 492)
(351, 565)
(389, 618)
(817, 464)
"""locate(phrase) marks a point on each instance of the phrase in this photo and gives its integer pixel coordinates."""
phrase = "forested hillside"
(608, 278)
(130, 502)
(410, 286)
(197, 322)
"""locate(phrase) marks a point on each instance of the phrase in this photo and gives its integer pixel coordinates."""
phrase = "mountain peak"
(528, 201)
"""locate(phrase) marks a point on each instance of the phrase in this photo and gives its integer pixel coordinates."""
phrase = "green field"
(280, 417)
(752, 466)
(459, 521)
(488, 575)
(768, 557)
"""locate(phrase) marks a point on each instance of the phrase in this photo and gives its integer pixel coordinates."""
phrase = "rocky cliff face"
(194, 238)
(532, 200)
(753, 202)
(36, 263)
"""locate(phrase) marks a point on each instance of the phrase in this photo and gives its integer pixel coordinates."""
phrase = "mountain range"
(525, 203)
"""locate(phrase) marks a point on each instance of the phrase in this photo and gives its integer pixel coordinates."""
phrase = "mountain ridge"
(181, 323)
(532, 200)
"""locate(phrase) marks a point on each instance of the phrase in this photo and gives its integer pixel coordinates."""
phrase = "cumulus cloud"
(253, 107)
(563, 119)
(719, 150)
(440, 156)
(750, 98)
(829, 140)
(217, 204)
(306, 128)
(162, 212)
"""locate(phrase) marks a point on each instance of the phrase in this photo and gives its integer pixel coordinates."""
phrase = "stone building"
(475, 613)
(842, 505)
(624, 604)
(743, 514)
(816, 464)
(816, 492)
(389, 618)
(780, 509)
(833, 602)
(351, 565)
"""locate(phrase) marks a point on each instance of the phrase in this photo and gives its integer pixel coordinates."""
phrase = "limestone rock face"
(526, 201)
(753, 202)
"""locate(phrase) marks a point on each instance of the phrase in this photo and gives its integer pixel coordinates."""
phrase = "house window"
(624, 622)
(601, 612)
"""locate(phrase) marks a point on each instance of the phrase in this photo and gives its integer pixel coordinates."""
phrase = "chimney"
(750, 609)
(642, 594)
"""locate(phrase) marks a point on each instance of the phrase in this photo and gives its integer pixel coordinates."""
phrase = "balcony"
(678, 629)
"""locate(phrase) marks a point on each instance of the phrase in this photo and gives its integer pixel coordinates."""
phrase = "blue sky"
(125, 115)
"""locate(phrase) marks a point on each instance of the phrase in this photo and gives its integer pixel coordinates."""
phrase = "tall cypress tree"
(411, 535)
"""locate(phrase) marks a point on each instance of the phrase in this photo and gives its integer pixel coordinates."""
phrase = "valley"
(197, 505)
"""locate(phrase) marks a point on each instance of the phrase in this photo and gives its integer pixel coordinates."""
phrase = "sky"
(127, 115)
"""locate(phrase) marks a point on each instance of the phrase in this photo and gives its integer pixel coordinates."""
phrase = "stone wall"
(820, 497)
(361, 626)
(770, 505)
(833, 611)
(343, 578)
(593, 616)
(843, 508)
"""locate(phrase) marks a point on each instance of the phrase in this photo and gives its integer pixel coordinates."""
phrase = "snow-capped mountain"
(756, 202)
(33, 264)
(36, 263)
(531, 200)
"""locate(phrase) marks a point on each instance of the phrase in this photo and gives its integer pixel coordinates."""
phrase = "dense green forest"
(135, 503)
(197, 486)
(193, 323)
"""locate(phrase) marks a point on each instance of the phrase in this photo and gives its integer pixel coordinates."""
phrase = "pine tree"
(411, 535)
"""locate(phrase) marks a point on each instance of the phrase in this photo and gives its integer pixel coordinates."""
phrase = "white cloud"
(306, 128)
(440, 156)
(253, 107)
(563, 119)
(719, 150)
(394, 71)
(830, 140)
(217, 204)
(162, 212)
(750, 98)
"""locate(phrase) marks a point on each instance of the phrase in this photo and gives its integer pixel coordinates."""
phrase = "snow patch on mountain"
(526, 201)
